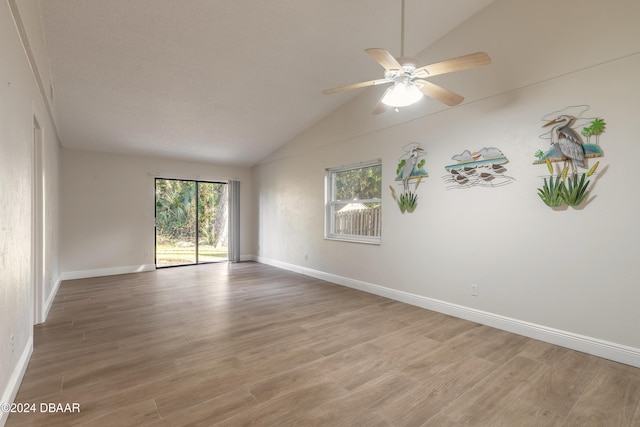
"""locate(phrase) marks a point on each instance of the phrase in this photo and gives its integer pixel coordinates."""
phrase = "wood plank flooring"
(248, 344)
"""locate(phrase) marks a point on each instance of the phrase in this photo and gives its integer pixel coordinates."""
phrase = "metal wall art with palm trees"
(482, 168)
(565, 186)
(410, 168)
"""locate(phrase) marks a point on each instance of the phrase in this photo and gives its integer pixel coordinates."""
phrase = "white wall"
(550, 273)
(21, 102)
(108, 209)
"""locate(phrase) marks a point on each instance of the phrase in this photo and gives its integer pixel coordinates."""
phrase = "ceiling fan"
(409, 84)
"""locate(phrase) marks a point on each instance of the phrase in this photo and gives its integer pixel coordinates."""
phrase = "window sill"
(355, 239)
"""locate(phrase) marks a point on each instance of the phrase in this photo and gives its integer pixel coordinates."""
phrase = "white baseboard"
(11, 390)
(605, 349)
(98, 272)
(49, 302)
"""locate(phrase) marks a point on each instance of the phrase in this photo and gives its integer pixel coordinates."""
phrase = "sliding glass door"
(212, 229)
(191, 222)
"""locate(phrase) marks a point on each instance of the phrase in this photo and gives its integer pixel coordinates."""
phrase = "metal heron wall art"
(567, 146)
(410, 168)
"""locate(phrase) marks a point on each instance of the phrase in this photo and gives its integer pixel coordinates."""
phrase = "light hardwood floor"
(249, 344)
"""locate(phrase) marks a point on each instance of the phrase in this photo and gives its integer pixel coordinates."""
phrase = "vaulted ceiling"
(222, 81)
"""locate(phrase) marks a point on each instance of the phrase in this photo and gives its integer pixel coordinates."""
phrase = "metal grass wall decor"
(566, 185)
(482, 168)
(410, 168)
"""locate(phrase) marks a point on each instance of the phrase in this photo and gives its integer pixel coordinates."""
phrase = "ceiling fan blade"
(456, 64)
(438, 92)
(384, 58)
(380, 107)
(355, 86)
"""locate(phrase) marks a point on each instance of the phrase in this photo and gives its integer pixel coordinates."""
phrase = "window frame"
(331, 203)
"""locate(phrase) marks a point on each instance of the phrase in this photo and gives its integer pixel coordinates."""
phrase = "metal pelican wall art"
(482, 168)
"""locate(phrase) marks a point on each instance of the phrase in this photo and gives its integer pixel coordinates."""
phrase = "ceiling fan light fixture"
(402, 94)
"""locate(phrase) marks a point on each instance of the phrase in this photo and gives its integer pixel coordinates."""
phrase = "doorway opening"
(191, 222)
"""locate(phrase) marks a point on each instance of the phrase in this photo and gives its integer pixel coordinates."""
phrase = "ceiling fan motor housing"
(409, 65)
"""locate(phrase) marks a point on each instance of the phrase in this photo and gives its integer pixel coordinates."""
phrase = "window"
(354, 202)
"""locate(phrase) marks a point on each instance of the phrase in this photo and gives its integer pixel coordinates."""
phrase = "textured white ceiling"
(224, 81)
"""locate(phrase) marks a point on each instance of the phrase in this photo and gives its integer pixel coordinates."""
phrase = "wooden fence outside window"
(359, 222)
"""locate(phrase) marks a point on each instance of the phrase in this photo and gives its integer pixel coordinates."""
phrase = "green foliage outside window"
(176, 210)
(361, 183)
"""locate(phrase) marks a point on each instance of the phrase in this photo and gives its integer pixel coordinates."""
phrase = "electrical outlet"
(474, 290)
